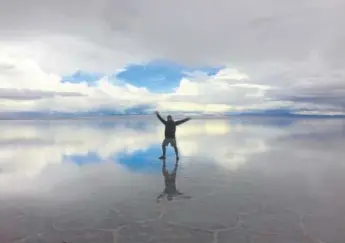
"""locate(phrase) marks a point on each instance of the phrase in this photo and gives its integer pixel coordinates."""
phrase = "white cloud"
(277, 53)
(27, 87)
(25, 77)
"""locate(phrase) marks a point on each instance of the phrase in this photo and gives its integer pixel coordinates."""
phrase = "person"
(170, 129)
(170, 190)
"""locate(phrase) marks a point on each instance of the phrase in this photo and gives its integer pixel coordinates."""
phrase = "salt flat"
(242, 179)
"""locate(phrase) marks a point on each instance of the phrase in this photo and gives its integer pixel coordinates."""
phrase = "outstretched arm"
(160, 118)
(182, 121)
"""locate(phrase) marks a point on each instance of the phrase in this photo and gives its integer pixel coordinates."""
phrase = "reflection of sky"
(30, 149)
(141, 160)
(138, 161)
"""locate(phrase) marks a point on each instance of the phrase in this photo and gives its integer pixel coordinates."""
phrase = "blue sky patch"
(81, 76)
(157, 76)
(160, 76)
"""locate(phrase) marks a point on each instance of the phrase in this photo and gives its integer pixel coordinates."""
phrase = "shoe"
(162, 157)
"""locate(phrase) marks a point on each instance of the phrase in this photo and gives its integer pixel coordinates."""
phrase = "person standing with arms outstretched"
(170, 129)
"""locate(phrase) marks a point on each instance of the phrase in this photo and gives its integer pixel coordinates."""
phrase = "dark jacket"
(170, 126)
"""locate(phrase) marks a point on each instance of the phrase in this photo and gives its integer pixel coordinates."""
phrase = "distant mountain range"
(142, 111)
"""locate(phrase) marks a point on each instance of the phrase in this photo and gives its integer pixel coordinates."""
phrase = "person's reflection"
(170, 190)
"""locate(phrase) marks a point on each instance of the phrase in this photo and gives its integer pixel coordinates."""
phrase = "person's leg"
(176, 151)
(174, 145)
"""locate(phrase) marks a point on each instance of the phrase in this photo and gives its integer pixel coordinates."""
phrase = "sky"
(173, 56)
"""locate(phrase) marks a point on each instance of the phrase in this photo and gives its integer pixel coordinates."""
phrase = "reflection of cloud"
(64, 139)
(229, 146)
(324, 139)
(28, 148)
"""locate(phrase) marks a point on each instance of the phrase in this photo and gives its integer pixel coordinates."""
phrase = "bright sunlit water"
(243, 180)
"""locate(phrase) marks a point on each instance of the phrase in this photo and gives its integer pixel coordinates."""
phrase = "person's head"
(169, 118)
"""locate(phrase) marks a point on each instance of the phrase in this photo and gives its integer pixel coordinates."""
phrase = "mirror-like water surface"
(237, 180)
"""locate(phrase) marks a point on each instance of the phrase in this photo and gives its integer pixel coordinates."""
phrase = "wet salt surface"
(245, 180)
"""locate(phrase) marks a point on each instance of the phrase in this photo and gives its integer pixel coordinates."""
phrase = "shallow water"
(243, 180)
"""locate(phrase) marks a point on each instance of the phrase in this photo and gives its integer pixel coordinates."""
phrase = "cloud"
(228, 90)
(314, 85)
(290, 54)
(192, 94)
(13, 94)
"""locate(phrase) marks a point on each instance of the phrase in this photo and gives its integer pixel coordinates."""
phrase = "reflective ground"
(244, 180)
